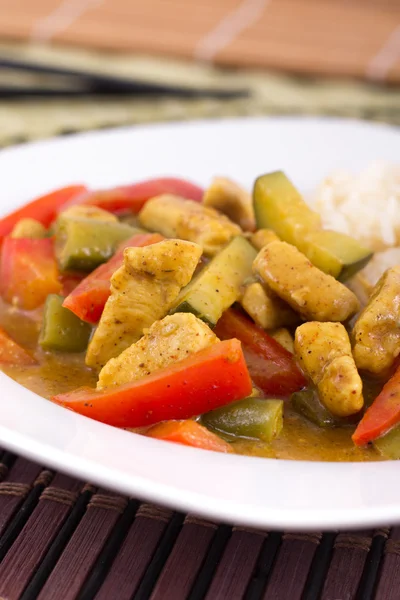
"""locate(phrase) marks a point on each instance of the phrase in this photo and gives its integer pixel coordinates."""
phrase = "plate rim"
(250, 516)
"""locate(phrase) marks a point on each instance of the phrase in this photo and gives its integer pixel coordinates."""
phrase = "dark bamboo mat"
(62, 539)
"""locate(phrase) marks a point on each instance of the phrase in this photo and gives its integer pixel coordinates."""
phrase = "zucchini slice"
(218, 285)
(279, 206)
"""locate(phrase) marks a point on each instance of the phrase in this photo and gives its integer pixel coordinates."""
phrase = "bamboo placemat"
(270, 94)
(359, 38)
(62, 539)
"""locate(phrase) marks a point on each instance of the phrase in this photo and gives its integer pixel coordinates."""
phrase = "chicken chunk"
(262, 237)
(229, 198)
(29, 228)
(266, 308)
(167, 341)
(188, 220)
(142, 291)
(88, 211)
(324, 352)
(376, 333)
(312, 293)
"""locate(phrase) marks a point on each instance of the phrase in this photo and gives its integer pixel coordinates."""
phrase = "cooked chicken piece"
(142, 291)
(29, 228)
(188, 220)
(88, 211)
(167, 341)
(324, 352)
(262, 237)
(266, 308)
(376, 333)
(284, 337)
(314, 294)
(229, 198)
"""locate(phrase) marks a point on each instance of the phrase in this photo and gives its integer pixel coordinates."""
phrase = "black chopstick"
(91, 83)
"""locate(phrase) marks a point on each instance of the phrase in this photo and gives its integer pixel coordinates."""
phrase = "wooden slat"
(84, 547)
(236, 566)
(350, 551)
(293, 562)
(185, 560)
(389, 577)
(312, 36)
(135, 553)
(31, 545)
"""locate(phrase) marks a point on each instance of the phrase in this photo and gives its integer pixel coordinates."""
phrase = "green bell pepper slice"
(255, 418)
(61, 329)
(83, 244)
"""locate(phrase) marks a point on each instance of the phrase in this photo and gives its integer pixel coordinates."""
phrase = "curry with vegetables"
(210, 318)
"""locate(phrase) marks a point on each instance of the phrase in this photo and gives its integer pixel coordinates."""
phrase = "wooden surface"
(62, 538)
(358, 37)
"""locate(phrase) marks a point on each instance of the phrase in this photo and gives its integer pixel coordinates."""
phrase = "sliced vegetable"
(88, 299)
(43, 209)
(382, 415)
(272, 368)
(134, 197)
(211, 378)
(12, 353)
(69, 282)
(82, 244)
(218, 285)
(61, 329)
(336, 253)
(279, 206)
(250, 418)
(389, 444)
(28, 271)
(307, 403)
(188, 433)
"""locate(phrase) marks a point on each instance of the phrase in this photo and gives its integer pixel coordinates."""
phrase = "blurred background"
(71, 65)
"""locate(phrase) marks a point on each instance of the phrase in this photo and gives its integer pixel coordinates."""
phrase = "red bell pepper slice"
(43, 209)
(382, 415)
(271, 366)
(12, 353)
(206, 380)
(189, 433)
(28, 272)
(88, 298)
(69, 281)
(133, 197)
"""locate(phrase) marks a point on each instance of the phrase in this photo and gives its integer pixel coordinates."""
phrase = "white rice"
(366, 206)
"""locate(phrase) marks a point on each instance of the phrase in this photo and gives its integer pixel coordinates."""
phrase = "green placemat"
(271, 94)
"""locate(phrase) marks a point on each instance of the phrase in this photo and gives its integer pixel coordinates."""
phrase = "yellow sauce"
(60, 372)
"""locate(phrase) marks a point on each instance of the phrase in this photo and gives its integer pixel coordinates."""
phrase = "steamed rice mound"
(366, 206)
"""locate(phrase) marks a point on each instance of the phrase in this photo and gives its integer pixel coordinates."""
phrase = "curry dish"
(211, 318)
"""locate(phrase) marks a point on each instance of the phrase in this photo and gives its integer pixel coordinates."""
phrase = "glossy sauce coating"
(60, 372)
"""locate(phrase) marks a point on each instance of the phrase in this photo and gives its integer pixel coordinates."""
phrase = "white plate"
(237, 489)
